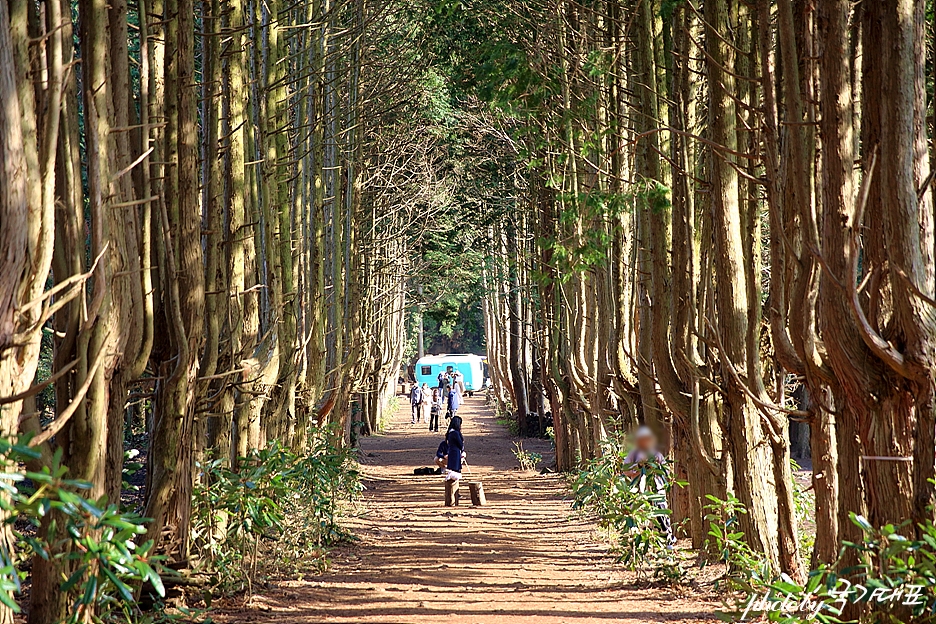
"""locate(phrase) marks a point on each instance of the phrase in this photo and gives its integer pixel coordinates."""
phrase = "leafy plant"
(551, 436)
(160, 614)
(273, 496)
(895, 560)
(895, 578)
(746, 569)
(130, 468)
(629, 512)
(95, 541)
(506, 419)
(527, 459)
(392, 406)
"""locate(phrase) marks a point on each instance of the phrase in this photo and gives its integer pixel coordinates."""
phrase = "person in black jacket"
(456, 448)
(441, 458)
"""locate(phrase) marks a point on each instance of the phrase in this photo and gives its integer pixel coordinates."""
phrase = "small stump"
(451, 492)
(477, 494)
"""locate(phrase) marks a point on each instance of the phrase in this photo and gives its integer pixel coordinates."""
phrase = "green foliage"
(160, 614)
(628, 512)
(506, 418)
(668, 7)
(94, 541)
(448, 273)
(274, 496)
(130, 468)
(510, 424)
(747, 569)
(894, 559)
(804, 508)
(895, 578)
(655, 197)
(790, 603)
(393, 405)
(527, 459)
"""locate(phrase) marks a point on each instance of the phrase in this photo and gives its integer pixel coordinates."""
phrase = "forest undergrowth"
(890, 573)
(276, 513)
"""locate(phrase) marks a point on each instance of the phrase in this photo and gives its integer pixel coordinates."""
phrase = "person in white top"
(459, 382)
(426, 403)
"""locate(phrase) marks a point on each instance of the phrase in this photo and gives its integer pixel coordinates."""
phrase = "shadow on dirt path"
(525, 557)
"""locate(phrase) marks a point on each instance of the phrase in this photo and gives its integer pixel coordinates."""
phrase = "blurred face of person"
(646, 441)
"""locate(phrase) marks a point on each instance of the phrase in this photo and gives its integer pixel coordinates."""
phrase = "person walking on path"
(426, 404)
(416, 403)
(435, 409)
(458, 381)
(454, 402)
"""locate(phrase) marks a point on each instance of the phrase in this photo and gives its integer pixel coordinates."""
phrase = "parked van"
(470, 366)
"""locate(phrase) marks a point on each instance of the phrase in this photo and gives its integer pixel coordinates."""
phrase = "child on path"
(441, 458)
(645, 461)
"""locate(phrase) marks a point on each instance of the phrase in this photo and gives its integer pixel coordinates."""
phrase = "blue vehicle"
(470, 366)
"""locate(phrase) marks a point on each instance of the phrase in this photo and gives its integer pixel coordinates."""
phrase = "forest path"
(525, 557)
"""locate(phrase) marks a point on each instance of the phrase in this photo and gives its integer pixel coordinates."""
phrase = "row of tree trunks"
(650, 266)
(200, 189)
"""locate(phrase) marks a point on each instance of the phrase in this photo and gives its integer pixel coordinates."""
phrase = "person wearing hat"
(644, 461)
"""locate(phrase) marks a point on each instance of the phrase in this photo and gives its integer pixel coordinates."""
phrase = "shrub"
(94, 541)
(746, 569)
(630, 513)
(509, 422)
(275, 496)
(527, 459)
(894, 581)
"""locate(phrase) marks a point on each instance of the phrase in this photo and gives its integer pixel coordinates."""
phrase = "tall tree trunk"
(169, 497)
(514, 307)
(750, 451)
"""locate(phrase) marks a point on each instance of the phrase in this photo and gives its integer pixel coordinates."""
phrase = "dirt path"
(523, 558)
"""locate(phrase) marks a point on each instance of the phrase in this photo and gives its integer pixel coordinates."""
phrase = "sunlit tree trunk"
(169, 495)
(750, 452)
